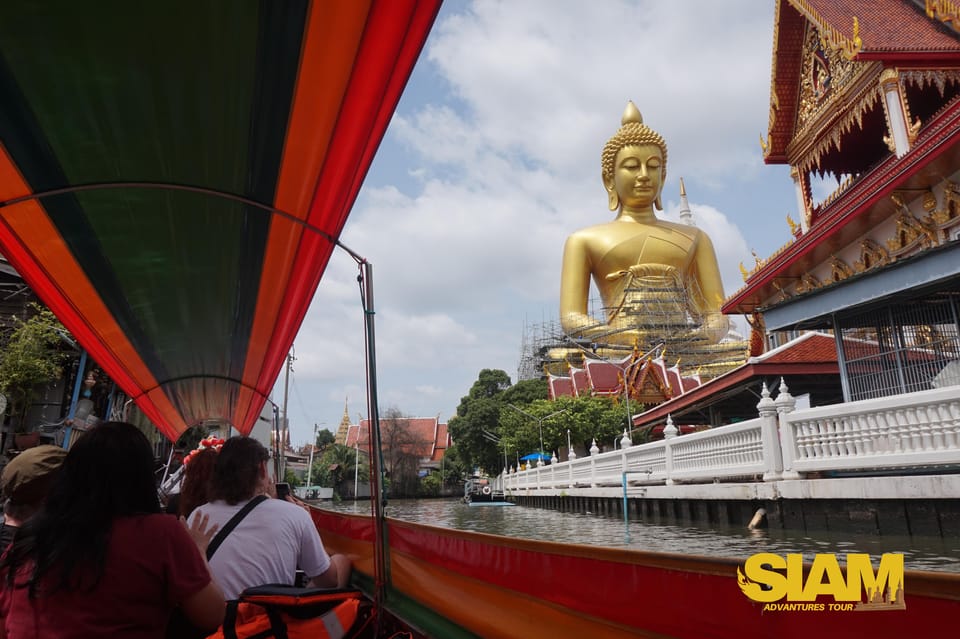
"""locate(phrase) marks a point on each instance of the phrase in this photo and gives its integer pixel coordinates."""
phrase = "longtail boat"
(173, 179)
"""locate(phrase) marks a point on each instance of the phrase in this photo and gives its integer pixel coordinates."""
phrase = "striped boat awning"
(173, 175)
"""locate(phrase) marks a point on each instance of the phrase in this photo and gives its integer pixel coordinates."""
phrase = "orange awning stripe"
(392, 39)
(333, 35)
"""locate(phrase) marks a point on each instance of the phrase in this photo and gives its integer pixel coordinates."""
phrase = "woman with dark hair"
(101, 559)
(196, 480)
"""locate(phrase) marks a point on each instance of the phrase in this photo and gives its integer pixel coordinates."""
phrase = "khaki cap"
(26, 479)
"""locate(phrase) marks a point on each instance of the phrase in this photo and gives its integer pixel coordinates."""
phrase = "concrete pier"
(876, 505)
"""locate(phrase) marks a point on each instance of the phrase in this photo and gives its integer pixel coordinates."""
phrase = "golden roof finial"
(792, 224)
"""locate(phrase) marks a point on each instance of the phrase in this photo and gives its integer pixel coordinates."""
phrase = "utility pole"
(313, 445)
(286, 424)
(539, 421)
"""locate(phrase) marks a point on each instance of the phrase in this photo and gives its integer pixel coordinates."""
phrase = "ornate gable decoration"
(872, 255)
(824, 73)
(943, 10)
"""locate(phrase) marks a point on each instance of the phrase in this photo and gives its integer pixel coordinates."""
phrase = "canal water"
(920, 553)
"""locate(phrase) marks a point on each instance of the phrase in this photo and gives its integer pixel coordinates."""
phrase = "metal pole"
(356, 467)
(540, 452)
(77, 384)
(381, 574)
(277, 470)
(540, 421)
(286, 424)
(626, 401)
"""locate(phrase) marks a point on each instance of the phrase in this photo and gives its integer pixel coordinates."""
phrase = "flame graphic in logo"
(746, 585)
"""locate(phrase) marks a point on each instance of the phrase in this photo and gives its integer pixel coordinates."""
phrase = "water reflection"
(920, 553)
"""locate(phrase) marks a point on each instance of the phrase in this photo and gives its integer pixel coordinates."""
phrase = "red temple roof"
(426, 437)
(812, 354)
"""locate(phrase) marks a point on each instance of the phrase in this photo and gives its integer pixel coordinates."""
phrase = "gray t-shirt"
(267, 547)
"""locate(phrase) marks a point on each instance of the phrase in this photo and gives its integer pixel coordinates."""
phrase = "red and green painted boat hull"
(444, 581)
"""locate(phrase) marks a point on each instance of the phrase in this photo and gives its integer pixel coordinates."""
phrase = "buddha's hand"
(649, 269)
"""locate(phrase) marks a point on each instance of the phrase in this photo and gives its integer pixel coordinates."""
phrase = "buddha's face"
(638, 174)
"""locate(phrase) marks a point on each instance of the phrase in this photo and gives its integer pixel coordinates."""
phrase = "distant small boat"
(479, 490)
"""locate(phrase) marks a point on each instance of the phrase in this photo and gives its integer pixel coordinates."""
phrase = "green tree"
(488, 434)
(291, 478)
(401, 458)
(525, 391)
(337, 467)
(30, 357)
(477, 420)
(453, 468)
(585, 417)
(430, 485)
(324, 438)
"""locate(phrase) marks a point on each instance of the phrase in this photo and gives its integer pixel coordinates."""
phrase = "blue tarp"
(531, 456)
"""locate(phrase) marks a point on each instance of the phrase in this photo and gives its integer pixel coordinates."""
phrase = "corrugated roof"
(808, 348)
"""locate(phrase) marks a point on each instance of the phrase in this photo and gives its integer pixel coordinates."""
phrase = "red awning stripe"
(392, 41)
(38, 252)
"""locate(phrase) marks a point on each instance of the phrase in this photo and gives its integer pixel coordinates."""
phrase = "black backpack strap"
(230, 525)
(230, 620)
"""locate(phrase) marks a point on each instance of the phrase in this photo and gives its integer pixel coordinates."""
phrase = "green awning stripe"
(26, 144)
(278, 54)
(152, 136)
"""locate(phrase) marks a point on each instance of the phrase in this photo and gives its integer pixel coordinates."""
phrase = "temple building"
(427, 438)
(866, 96)
(646, 380)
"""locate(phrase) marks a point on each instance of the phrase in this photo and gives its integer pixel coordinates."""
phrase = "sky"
(493, 158)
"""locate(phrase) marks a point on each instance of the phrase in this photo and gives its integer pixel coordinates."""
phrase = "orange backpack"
(288, 612)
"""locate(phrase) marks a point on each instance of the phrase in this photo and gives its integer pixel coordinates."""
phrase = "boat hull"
(493, 586)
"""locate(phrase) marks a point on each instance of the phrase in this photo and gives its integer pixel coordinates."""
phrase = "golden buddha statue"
(659, 281)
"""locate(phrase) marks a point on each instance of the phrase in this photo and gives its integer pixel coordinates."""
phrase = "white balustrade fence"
(915, 432)
(918, 430)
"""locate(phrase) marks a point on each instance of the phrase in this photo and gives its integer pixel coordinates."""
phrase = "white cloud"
(499, 162)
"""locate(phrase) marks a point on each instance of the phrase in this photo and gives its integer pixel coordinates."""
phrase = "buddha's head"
(638, 140)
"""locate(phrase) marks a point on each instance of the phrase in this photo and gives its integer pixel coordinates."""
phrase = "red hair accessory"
(208, 443)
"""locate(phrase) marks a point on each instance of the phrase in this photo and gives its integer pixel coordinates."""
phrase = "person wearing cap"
(100, 558)
(25, 482)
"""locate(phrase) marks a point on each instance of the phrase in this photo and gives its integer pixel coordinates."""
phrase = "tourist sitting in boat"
(197, 471)
(25, 483)
(273, 539)
(100, 558)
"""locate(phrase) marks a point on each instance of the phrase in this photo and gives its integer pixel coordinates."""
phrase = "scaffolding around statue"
(653, 320)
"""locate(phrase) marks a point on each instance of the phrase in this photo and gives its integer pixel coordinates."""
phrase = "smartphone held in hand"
(283, 490)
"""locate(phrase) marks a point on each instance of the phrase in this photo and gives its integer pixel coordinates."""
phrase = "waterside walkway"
(889, 465)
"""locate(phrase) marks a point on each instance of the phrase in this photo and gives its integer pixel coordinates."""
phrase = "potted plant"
(30, 357)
